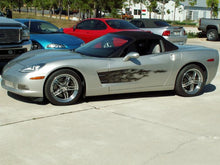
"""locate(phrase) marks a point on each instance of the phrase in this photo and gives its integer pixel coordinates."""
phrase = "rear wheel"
(212, 35)
(190, 81)
(63, 87)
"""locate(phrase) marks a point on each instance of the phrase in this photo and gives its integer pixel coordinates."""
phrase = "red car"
(93, 28)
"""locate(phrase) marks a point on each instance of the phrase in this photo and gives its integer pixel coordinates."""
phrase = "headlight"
(25, 34)
(31, 68)
(56, 46)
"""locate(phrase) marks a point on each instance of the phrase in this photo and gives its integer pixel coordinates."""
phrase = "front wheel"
(190, 81)
(63, 87)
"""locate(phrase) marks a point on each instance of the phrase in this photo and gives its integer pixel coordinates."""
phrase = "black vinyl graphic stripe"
(125, 75)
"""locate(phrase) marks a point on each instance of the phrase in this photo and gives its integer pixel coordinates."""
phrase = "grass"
(192, 35)
(61, 23)
(183, 23)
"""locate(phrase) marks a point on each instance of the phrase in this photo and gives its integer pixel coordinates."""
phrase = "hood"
(46, 56)
(69, 41)
(6, 22)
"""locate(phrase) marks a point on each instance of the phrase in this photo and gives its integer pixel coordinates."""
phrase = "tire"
(63, 87)
(190, 81)
(212, 35)
(35, 45)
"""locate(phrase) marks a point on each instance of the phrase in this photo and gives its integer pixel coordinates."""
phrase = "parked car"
(14, 39)
(91, 29)
(45, 35)
(120, 62)
(210, 27)
(173, 34)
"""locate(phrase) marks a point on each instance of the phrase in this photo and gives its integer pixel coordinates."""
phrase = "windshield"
(42, 27)
(105, 46)
(120, 24)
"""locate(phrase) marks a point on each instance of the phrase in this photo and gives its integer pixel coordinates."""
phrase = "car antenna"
(29, 24)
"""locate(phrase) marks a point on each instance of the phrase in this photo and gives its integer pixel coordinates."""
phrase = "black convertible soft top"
(143, 35)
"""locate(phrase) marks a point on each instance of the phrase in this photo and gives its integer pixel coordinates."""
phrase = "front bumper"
(21, 84)
(11, 51)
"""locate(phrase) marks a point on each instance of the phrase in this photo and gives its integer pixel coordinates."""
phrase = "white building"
(171, 13)
(181, 13)
(199, 10)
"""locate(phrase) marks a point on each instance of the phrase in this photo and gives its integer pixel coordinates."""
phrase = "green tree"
(163, 7)
(151, 7)
(177, 4)
(213, 4)
(28, 4)
(3, 4)
(192, 2)
(19, 4)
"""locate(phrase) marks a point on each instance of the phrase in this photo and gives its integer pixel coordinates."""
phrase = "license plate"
(176, 33)
(9, 84)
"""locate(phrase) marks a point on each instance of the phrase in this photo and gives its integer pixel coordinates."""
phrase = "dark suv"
(14, 38)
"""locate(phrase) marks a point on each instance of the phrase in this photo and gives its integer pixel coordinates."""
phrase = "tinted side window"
(91, 25)
(161, 23)
(85, 25)
(100, 25)
(139, 24)
(120, 24)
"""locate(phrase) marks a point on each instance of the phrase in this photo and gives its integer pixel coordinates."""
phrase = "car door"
(89, 30)
(140, 74)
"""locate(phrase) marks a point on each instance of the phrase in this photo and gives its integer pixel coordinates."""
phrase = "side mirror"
(130, 56)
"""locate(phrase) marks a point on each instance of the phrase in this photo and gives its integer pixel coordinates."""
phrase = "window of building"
(137, 12)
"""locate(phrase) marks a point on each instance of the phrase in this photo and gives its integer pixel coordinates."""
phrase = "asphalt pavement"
(152, 128)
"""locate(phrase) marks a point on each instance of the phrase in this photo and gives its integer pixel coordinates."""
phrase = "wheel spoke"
(58, 83)
(188, 83)
(57, 92)
(66, 95)
(187, 76)
(67, 81)
(192, 87)
(194, 75)
(72, 88)
(197, 82)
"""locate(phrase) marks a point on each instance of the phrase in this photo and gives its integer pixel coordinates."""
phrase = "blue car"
(45, 35)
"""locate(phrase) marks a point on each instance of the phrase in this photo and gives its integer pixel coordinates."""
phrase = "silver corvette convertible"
(121, 62)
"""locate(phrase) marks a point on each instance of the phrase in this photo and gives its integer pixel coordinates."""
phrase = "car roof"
(142, 35)
(27, 19)
(149, 19)
(151, 23)
(139, 35)
(103, 19)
